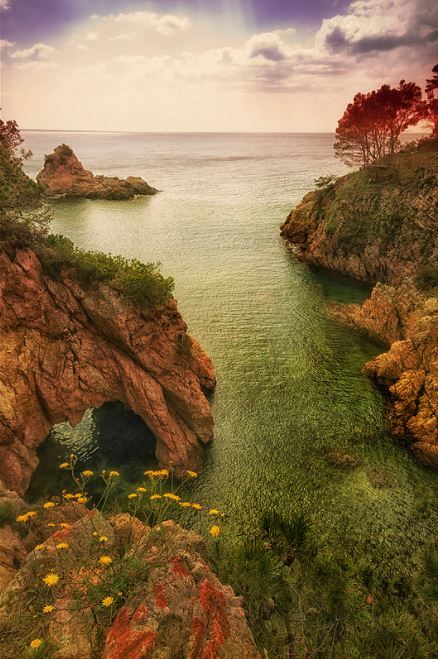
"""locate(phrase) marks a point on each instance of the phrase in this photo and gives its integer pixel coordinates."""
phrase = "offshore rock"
(177, 608)
(64, 349)
(63, 175)
(380, 225)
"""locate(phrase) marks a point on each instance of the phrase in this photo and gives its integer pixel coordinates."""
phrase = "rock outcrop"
(380, 224)
(65, 348)
(172, 605)
(63, 175)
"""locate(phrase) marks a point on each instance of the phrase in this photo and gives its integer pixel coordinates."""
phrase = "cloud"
(91, 36)
(166, 24)
(36, 65)
(5, 4)
(268, 45)
(379, 26)
(39, 51)
(5, 44)
(123, 36)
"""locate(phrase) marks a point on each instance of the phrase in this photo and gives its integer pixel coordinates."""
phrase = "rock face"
(176, 607)
(63, 175)
(64, 349)
(380, 225)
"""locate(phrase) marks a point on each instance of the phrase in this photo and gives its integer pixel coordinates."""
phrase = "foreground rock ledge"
(63, 175)
(64, 349)
(179, 609)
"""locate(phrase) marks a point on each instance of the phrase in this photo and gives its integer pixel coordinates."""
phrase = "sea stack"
(63, 175)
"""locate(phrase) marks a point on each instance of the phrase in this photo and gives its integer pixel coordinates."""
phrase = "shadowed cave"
(109, 437)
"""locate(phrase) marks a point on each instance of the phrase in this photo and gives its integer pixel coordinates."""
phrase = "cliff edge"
(380, 224)
(66, 346)
(64, 175)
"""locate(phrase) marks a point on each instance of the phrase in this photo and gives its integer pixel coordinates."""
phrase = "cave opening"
(108, 437)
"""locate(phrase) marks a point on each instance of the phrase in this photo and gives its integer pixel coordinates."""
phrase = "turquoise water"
(289, 379)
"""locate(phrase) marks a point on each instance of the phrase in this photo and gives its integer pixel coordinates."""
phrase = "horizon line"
(192, 132)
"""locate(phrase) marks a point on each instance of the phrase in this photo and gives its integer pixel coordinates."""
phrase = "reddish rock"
(183, 610)
(64, 349)
(177, 608)
(391, 247)
(63, 175)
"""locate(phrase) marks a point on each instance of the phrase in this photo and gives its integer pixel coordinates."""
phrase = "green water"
(290, 385)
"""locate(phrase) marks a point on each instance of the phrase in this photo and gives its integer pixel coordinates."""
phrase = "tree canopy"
(372, 124)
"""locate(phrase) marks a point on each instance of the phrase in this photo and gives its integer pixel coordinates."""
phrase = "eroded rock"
(63, 175)
(64, 349)
(384, 230)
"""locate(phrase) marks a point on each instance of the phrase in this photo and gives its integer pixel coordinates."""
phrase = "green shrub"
(142, 283)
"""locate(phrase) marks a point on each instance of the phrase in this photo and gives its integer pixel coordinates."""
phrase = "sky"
(205, 65)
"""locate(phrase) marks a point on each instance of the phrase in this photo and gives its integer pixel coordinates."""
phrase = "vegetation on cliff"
(25, 221)
(371, 125)
(388, 209)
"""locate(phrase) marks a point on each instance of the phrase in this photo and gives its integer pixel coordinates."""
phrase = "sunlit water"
(289, 379)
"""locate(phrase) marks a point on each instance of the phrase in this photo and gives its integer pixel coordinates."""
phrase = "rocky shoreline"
(63, 175)
(65, 348)
(380, 225)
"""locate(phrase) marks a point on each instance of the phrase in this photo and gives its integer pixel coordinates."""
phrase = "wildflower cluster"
(95, 576)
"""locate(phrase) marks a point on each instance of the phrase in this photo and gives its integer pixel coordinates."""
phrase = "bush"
(428, 278)
(142, 283)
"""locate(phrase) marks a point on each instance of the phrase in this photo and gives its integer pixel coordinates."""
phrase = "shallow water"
(289, 379)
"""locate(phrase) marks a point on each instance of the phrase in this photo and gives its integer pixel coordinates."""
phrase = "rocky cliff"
(65, 347)
(63, 175)
(157, 596)
(380, 224)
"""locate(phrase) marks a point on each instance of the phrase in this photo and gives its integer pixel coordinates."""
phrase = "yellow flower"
(48, 608)
(192, 474)
(77, 495)
(51, 579)
(36, 643)
(213, 511)
(95, 533)
(105, 560)
(214, 531)
(197, 506)
(172, 496)
(64, 465)
(82, 499)
(103, 538)
(64, 525)
(49, 504)
(142, 490)
(107, 601)
(51, 524)
(150, 473)
(154, 497)
(69, 496)
(163, 472)
(133, 495)
(113, 474)
(87, 473)
(21, 518)
(62, 545)
(185, 504)
(39, 547)
(32, 513)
